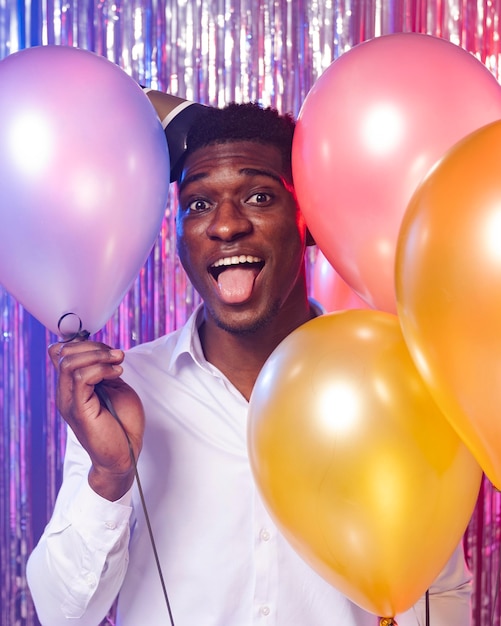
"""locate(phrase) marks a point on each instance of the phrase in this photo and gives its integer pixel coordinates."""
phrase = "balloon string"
(105, 399)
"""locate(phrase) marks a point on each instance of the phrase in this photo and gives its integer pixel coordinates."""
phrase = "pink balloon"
(84, 174)
(331, 290)
(371, 127)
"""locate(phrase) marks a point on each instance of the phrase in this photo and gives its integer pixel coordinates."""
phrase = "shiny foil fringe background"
(211, 51)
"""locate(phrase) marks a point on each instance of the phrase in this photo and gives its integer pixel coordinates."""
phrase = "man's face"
(240, 235)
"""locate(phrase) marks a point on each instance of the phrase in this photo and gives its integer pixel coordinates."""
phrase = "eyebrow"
(245, 171)
(193, 178)
(252, 171)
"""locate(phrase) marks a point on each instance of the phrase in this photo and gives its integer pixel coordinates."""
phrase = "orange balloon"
(360, 470)
(448, 283)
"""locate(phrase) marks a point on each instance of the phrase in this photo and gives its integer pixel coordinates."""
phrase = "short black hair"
(248, 121)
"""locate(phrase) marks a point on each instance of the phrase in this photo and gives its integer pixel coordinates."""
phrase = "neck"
(240, 357)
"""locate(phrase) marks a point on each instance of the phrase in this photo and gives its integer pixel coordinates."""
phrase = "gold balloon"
(360, 470)
(448, 283)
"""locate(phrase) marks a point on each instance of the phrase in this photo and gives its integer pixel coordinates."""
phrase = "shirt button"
(91, 580)
(265, 535)
(264, 610)
(110, 525)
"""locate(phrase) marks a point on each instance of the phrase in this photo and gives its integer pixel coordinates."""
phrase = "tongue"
(236, 284)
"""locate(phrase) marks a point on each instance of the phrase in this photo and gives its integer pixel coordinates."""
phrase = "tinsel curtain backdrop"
(210, 51)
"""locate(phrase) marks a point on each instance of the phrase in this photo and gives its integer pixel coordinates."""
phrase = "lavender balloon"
(84, 179)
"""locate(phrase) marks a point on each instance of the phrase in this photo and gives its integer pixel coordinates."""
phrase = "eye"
(199, 205)
(259, 198)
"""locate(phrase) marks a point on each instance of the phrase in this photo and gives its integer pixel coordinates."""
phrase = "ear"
(309, 238)
(310, 241)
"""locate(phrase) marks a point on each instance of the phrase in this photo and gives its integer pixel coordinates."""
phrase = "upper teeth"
(235, 260)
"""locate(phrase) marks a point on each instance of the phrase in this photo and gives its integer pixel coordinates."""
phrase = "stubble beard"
(246, 329)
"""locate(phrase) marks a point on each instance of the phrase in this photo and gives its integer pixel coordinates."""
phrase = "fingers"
(61, 348)
(88, 361)
(81, 365)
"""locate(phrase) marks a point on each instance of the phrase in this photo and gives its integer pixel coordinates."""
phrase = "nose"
(229, 222)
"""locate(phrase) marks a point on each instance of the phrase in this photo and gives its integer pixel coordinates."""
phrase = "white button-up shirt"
(223, 561)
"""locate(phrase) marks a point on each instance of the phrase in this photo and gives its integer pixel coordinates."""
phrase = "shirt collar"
(188, 341)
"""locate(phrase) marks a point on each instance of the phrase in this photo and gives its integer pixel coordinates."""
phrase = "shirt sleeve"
(449, 597)
(77, 568)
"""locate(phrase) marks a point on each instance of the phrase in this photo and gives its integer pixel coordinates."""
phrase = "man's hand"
(81, 366)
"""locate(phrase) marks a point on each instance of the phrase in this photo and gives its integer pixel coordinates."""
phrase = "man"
(182, 401)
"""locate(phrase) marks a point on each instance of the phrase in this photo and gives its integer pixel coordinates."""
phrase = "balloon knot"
(69, 329)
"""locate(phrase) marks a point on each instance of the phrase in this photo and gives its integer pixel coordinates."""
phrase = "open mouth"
(243, 262)
(235, 277)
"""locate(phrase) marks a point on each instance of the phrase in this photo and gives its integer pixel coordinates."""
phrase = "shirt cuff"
(98, 521)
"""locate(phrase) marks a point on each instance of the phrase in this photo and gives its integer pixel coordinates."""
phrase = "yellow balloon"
(448, 284)
(355, 462)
